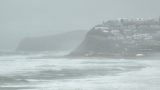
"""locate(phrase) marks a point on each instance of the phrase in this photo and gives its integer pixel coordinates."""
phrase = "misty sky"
(24, 18)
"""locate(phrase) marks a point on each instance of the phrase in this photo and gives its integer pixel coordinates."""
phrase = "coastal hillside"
(121, 38)
(60, 42)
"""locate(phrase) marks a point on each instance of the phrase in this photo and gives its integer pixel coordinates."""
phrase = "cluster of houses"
(129, 29)
(132, 33)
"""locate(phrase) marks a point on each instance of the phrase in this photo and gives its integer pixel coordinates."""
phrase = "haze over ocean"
(25, 18)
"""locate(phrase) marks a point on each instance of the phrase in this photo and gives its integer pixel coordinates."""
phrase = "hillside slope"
(60, 42)
(121, 38)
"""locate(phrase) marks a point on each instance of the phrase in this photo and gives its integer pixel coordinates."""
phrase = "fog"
(25, 18)
(79, 44)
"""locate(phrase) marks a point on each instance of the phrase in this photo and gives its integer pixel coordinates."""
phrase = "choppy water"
(24, 73)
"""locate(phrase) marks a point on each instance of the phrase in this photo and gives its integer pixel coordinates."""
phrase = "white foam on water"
(143, 79)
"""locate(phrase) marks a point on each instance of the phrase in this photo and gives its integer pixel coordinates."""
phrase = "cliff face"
(60, 42)
(121, 38)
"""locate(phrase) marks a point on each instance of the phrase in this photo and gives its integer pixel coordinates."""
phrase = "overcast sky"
(24, 18)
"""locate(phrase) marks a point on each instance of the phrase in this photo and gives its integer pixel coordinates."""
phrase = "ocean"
(30, 72)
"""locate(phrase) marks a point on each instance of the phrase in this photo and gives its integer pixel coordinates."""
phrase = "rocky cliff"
(121, 38)
(60, 42)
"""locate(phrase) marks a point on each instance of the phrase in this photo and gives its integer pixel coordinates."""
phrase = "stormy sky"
(25, 18)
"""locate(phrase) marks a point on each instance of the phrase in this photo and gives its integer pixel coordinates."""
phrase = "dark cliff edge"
(122, 38)
(60, 42)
